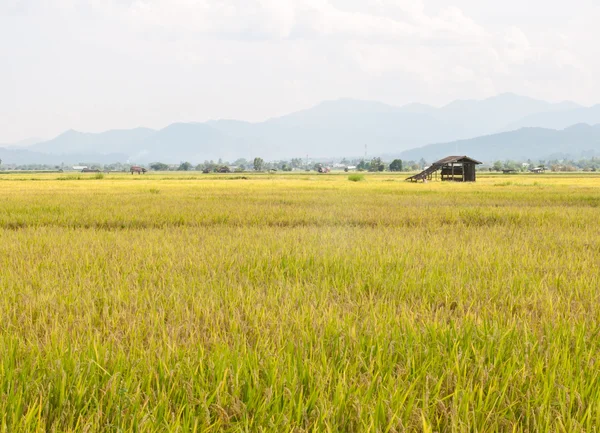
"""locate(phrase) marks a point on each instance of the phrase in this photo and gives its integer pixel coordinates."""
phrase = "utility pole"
(366, 147)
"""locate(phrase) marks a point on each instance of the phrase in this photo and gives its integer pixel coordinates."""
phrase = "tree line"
(376, 164)
(259, 164)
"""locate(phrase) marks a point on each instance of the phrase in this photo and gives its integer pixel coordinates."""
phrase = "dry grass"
(171, 302)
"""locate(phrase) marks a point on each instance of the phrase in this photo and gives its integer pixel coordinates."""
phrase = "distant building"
(80, 167)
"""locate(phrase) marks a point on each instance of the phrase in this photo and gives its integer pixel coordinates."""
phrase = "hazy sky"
(93, 65)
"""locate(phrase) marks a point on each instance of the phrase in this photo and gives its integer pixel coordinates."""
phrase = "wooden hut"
(452, 168)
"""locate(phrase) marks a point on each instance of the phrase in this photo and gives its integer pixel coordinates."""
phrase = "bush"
(396, 165)
(159, 166)
(99, 176)
(356, 177)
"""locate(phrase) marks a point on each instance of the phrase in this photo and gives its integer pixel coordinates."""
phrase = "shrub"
(356, 177)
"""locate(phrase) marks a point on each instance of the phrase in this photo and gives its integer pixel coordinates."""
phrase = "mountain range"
(577, 141)
(505, 126)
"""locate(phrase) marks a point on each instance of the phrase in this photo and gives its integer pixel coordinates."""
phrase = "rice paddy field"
(177, 302)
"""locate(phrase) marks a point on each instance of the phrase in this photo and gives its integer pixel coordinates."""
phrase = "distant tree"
(422, 163)
(296, 162)
(207, 167)
(185, 166)
(362, 165)
(159, 166)
(498, 166)
(396, 165)
(410, 165)
(511, 165)
(376, 165)
(259, 164)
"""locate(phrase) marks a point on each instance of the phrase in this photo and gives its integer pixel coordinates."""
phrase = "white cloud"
(517, 46)
(388, 21)
(167, 60)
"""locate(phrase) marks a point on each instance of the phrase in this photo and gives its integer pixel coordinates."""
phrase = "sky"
(94, 65)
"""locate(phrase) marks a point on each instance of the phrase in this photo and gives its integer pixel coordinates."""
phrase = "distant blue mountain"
(72, 141)
(577, 141)
(25, 156)
(559, 119)
(333, 128)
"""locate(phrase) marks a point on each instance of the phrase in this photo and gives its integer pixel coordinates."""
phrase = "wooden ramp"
(425, 174)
